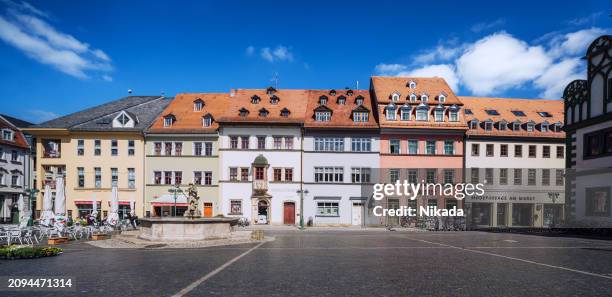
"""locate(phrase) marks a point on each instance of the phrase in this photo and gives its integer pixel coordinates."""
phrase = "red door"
(289, 211)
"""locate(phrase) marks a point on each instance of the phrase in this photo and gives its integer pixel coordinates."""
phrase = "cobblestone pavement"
(338, 263)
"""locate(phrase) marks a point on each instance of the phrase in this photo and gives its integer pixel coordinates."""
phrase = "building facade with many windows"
(588, 114)
(94, 150)
(14, 169)
(181, 149)
(260, 155)
(516, 148)
(421, 137)
(341, 156)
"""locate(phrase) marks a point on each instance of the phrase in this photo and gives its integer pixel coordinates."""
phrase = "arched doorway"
(289, 213)
(263, 212)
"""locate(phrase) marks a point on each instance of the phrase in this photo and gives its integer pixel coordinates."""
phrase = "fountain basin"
(185, 228)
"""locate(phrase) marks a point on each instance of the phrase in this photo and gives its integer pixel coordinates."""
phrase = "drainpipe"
(302, 179)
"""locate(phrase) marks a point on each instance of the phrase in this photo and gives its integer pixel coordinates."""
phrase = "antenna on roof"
(129, 91)
(275, 79)
(357, 86)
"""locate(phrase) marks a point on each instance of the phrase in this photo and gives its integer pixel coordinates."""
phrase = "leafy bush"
(27, 252)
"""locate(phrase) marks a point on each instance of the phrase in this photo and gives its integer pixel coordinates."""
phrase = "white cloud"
(280, 53)
(107, 78)
(499, 62)
(40, 116)
(487, 25)
(556, 77)
(389, 69)
(250, 50)
(22, 27)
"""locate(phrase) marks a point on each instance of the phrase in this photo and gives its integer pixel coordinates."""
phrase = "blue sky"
(62, 56)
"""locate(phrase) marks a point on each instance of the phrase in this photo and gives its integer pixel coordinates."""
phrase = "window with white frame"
(329, 174)
(322, 116)
(360, 116)
(439, 115)
(413, 146)
(412, 84)
(390, 110)
(131, 178)
(405, 113)
(394, 146)
(114, 177)
(421, 114)
(441, 98)
(452, 116)
(328, 209)
(114, 147)
(360, 174)
(430, 147)
(361, 144)
(395, 97)
(206, 121)
(7, 135)
(97, 147)
(131, 148)
(424, 97)
(413, 97)
(80, 147)
(98, 177)
(197, 105)
(329, 144)
(449, 147)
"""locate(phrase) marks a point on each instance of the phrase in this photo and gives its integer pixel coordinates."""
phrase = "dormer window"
(413, 97)
(390, 110)
(255, 99)
(424, 97)
(274, 99)
(473, 124)
(169, 120)
(359, 100)
(516, 126)
(412, 84)
(323, 116)
(502, 125)
(207, 120)
(453, 114)
(243, 112)
(332, 92)
(405, 113)
(557, 127)
(7, 135)
(544, 126)
(441, 98)
(323, 100)
(488, 125)
(360, 116)
(263, 112)
(530, 127)
(422, 112)
(341, 100)
(439, 113)
(123, 120)
(270, 91)
(285, 112)
(349, 92)
(198, 104)
(395, 97)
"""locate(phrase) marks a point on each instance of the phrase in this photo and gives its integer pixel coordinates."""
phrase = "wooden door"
(289, 213)
(208, 210)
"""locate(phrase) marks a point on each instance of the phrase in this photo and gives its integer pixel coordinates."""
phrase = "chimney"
(232, 92)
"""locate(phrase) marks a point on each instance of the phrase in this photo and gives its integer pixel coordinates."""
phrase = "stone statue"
(192, 207)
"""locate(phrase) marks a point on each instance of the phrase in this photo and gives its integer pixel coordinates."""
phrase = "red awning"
(86, 202)
(168, 204)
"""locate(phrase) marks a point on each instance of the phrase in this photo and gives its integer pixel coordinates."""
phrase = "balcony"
(51, 154)
(260, 186)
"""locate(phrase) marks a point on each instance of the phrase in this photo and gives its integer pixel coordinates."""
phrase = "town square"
(206, 148)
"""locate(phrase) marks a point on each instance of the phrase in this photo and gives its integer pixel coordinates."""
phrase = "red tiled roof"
(18, 138)
(505, 106)
(292, 100)
(187, 119)
(342, 114)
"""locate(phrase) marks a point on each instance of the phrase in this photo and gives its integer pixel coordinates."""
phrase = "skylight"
(544, 114)
(518, 113)
(492, 112)
(468, 111)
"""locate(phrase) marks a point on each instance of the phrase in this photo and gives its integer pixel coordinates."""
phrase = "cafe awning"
(168, 200)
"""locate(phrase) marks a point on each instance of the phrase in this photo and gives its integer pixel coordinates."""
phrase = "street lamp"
(302, 193)
(176, 189)
(31, 194)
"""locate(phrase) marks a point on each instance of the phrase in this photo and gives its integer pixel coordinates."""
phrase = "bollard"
(257, 235)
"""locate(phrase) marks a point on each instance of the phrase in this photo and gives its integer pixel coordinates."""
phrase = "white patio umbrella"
(113, 216)
(94, 206)
(132, 206)
(60, 197)
(6, 208)
(47, 212)
(23, 216)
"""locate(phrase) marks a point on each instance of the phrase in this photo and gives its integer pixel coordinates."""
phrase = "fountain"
(189, 227)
